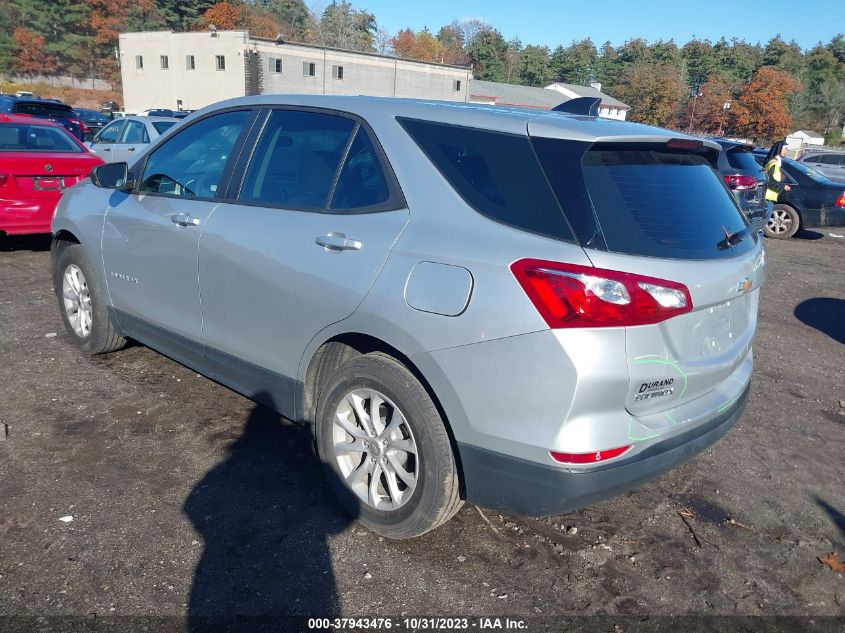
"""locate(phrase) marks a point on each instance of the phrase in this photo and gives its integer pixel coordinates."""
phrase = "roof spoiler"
(588, 106)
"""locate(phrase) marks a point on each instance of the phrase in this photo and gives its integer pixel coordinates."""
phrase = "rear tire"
(392, 467)
(82, 303)
(784, 222)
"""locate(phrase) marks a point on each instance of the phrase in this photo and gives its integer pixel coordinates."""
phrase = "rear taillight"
(570, 296)
(739, 182)
(77, 122)
(4, 178)
(840, 201)
(589, 458)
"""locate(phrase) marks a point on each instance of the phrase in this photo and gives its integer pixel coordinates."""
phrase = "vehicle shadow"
(264, 515)
(35, 243)
(826, 314)
(809, 235)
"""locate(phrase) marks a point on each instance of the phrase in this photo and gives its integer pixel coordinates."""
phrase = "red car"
(38, 160)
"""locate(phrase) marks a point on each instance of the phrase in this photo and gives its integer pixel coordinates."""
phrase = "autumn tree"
(706, 112)
(226, 16)
(653, 91)
(31, 57)
(451, 39)
(761, 111)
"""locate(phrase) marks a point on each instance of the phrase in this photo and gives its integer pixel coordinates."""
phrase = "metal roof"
(528, 96)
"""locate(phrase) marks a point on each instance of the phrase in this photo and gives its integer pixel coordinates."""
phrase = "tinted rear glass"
(647, 201)
(36, 138)
(162, 126)
(496, 174)
(44, 109)
(743, 159)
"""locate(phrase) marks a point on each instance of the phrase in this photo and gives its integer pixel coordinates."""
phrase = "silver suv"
(529, 310)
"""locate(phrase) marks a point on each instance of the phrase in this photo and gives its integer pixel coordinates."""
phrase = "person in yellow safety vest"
(775, 185)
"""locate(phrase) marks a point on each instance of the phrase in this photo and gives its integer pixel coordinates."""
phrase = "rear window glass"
(43, 109)
(162, 126)
(36, 138)
(743, 159)
(649, 202)
(497, 174)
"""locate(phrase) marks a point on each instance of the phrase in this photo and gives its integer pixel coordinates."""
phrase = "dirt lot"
(187, 499)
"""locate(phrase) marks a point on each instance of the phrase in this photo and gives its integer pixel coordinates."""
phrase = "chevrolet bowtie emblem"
(744, 286)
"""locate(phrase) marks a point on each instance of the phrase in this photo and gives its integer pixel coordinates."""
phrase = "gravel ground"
(187, 499)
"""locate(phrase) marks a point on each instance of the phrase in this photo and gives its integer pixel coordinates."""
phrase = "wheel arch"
(340, 348)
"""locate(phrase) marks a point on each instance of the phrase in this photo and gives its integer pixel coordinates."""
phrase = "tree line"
(760, 91)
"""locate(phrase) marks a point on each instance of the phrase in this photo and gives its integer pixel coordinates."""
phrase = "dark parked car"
(812, 200)
(94, 121)
(746, 179)
(107, 107)
(51, 110)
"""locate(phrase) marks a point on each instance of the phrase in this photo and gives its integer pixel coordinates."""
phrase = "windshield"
(807, 171)
(36, 138)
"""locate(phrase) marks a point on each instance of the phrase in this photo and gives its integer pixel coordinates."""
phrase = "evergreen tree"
(535, 69)
(487, 52)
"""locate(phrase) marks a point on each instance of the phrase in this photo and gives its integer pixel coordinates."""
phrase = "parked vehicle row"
(123, 139)
(49, 109)
(746, 179)
(39, 159)
(532, 311)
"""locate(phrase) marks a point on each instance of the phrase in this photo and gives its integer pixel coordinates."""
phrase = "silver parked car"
(831, 164)
(124, 139)
(529, 310)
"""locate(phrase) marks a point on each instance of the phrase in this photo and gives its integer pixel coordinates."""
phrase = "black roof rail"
(588, 106)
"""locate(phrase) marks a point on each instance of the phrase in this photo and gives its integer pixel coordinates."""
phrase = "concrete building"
(163, 69)
(493, 93)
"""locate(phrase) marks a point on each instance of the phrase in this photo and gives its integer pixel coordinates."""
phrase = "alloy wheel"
(780, 222)
(76, 299)
(375, 449)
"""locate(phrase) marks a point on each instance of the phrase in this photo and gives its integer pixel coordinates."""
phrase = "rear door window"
(650, 201)
(743, 159)
(135, 132)
(497, 174)
(43, 110)
(296, 160)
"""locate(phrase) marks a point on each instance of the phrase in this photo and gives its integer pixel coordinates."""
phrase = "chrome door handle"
(184, 219)
(336, 242)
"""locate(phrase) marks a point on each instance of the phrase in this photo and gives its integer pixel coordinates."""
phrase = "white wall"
(153, 87)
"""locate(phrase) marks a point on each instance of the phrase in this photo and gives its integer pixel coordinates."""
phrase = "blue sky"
(553, 22)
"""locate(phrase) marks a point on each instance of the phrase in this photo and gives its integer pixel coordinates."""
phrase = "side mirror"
(112, 176)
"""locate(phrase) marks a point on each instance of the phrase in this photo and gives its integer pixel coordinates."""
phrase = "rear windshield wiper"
(732, 239)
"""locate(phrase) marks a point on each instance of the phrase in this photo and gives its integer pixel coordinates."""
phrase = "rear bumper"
(499, 481)
(26, 216)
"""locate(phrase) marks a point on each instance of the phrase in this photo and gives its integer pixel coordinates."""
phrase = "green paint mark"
(661, 361)
(671, 419)
(728, 404)
(639, 439)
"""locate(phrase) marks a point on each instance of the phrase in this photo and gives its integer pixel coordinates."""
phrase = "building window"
(337, 72)
(309, 69)
(221, 62)
(190, 62)
(276, 65)
(165, 63)
(139, 62)
(456, 85)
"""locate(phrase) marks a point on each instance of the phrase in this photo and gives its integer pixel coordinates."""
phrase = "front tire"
(784, 222)
(385, 448)
(82, 303)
